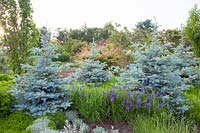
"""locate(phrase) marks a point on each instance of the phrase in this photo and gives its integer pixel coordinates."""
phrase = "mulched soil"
(66, 73)
(108, 124)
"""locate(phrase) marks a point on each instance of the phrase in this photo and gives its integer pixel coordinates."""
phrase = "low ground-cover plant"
(16, 122)
(161, 123)
(41, 125)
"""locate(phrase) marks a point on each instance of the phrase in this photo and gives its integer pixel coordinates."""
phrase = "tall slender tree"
(20, 31)
(192, 29)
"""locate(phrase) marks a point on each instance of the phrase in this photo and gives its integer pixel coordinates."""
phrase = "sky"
(96, 13)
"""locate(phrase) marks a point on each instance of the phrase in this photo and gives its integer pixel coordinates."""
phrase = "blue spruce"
(93, 71)
(169, 73)
(41, 90)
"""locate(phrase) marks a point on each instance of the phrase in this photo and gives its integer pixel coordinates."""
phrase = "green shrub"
(64, 57)
(5, 77)
(52, 125)
(58, 118)
(6, 99)
(67, 49)
(16, 122)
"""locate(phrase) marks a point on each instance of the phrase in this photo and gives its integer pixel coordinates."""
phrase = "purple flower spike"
(126, 88)
(146, 82)
(157, 92)
(159, 106)
(131, 94)
(123, 102)
(143, 91)
(87, 80)
(112, 95)
(147, 105)
(112, 98)
(114, 86)
(152, 86)
(168, 106)
(128, 107)
(130, 102)
(151, 98)
(112, 92)
(121, 88)
(138, 102)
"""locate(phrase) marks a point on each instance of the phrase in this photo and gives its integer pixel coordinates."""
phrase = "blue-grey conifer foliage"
(41, 90)
(168, 72)
(93, 71)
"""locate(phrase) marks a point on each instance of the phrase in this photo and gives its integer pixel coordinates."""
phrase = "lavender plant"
(145, 99)
(113, 101)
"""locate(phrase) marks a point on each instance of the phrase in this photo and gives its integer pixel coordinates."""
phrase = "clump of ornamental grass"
(162, 123)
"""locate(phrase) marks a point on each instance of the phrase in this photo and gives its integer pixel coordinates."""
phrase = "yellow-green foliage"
(16, 122)
(5, 97)
(194, 101)
(192, 29)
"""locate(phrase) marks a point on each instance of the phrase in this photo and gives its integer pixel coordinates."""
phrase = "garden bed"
(122, 127)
